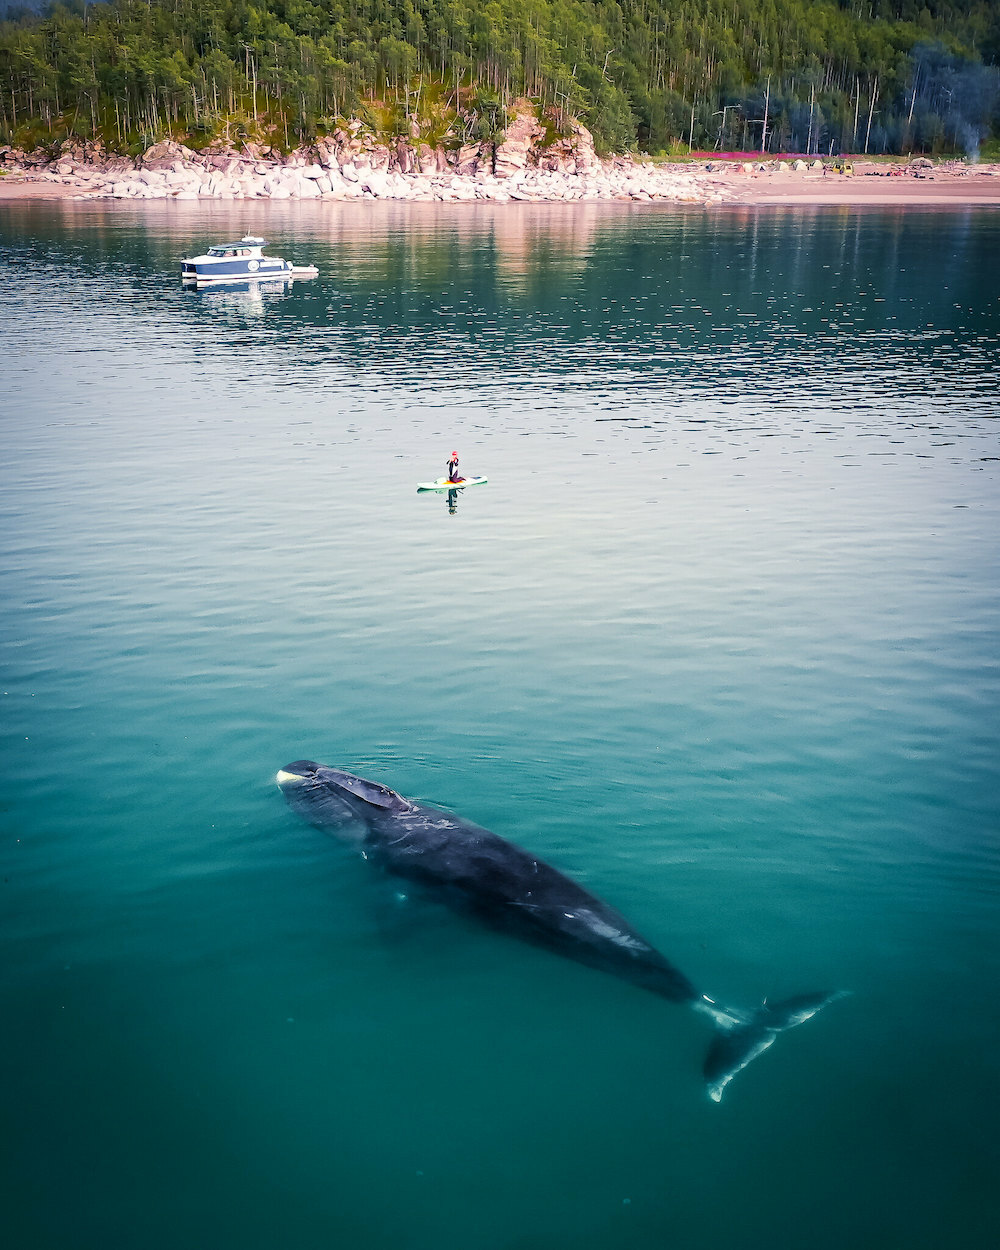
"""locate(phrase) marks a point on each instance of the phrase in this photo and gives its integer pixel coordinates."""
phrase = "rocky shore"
(352, 165)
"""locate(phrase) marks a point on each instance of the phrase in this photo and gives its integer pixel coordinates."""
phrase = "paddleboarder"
(453, 474)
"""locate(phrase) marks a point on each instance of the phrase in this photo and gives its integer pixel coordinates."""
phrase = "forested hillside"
(660, 75)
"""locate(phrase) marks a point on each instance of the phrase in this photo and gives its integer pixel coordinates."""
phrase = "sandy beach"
(871, 184)
(946, 184)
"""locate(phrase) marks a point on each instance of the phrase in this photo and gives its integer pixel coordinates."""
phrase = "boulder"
(162, 155)
(400, 187)
(559, 158)
(222, 162)
(584, 152)
(375, 181)
(405, 158)
(326, 154)
(471, 156)
(426, 159)
(521, 135)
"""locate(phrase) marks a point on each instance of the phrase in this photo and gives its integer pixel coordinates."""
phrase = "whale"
(512, 890)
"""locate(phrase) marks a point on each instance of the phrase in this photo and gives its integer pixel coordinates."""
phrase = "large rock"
(430, 160)
(405, 158)
(223, 162)
(472, 157)
(326, 154)
(162, 155)
(522, 133)
(583, 149)
(375, 181)
(573, 154)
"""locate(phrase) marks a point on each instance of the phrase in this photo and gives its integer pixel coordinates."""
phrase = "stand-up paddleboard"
(444, 483)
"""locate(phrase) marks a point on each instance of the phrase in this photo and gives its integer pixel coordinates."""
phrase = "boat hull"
(261, 275)
(221, 270)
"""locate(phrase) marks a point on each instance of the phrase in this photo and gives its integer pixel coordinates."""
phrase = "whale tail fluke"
(741, 1038)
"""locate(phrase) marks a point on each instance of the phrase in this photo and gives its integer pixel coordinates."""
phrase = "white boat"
(241, 262)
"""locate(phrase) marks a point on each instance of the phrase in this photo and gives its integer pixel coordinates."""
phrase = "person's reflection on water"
(452, 502)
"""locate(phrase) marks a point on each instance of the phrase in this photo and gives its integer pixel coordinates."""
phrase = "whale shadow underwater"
(509, 889)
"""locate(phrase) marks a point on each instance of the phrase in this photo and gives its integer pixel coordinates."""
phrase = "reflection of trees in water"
(569, 296)
(593, 295)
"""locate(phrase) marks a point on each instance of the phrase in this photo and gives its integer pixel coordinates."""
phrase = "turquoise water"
(719, 639)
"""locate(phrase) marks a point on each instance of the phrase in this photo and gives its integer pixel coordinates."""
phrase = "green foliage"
(889, 75)
(488, 116)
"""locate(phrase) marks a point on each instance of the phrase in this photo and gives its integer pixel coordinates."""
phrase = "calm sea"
(719, 639)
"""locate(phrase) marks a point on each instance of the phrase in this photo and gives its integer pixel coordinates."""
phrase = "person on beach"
(453, 474)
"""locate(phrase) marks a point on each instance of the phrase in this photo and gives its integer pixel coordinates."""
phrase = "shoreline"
(712, 184)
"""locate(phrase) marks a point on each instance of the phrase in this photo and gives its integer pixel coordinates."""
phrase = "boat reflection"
(244, 286)
(252, 295)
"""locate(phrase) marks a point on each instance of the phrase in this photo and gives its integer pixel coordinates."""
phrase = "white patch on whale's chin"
(287, 779)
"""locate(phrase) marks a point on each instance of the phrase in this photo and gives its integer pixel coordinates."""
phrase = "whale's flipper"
(740, 1042)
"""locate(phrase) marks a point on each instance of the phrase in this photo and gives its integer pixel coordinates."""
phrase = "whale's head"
(334, 800)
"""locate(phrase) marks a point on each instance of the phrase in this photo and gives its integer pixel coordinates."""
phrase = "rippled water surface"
(719, 639)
